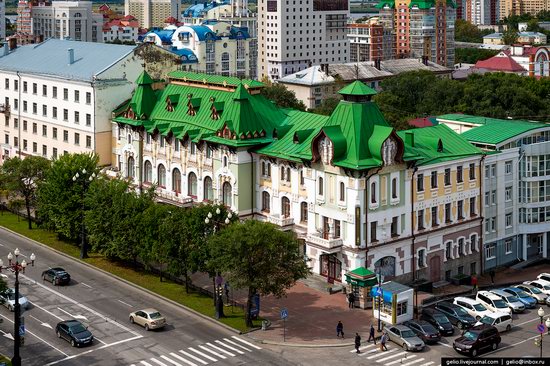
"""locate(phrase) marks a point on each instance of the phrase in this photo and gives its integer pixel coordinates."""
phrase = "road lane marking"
(388, 351)
(145, 363)
(84, 284)
(178, 357)
(100, 341)
(212, 352)
(73, 316)
(221, 349)
(245, 342)
(47, 311)
(125, 303)
(398, 361)
(238, 345)
(445, 344)
(231, 348)
(427, 363)
(158, 362)
(44, 324)
(202, 354)
(392, 356)
(528, 321)
(193, 357)
(413, 362)
(362, 348)
(173, 362)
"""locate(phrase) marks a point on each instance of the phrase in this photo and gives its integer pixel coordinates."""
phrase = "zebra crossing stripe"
(413, 362)
(194, 357)
(376, 355)
(178, 357)
(362, 348)
(368, 352)
(212, 352)
(245, 342)
(392, 356)
(172, 361)
(158, 362)
(231, 348)
(221, 350)
(235, 344)
(399, 360)
(145, 363)
(427, 363)
(202, 354)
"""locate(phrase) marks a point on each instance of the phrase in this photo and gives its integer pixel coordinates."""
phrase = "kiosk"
(360, 282)
(395, 300)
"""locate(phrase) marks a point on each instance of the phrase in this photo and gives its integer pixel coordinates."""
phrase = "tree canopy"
(472, 55)
(468, 32)
(281, 96)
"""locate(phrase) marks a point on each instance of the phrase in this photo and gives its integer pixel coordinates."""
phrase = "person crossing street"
(357, 342)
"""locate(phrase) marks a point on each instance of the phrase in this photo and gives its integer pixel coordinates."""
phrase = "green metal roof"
(383, 3)
(493, 131)
(214, 79)
(357, 88)
(431, 145)
(144, 97)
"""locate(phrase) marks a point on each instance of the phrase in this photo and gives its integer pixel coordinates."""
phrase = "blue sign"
(541, 328)
(378, 291)
(284, 313)
(22, 330)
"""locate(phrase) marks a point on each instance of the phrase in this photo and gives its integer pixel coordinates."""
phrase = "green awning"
(361, 277)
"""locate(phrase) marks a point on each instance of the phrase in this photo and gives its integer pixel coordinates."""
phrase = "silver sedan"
(405, 337)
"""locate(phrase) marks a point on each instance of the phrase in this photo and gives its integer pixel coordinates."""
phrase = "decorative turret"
(357, 92)
(144, 98)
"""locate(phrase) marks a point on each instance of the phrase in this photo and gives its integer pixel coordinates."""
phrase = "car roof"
(497, 314)
(401, 327)
(58, 269)
(514, 289)
(526, 285)
(419, 322)
(432, 311)
(499, 292)
(466, 299)
(150, 310)
(70, 322)
(482, 327)
(489, 295)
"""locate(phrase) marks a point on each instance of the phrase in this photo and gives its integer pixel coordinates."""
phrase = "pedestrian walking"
(492, 274)
(340, 329)
(474, 283)
(357, 342)
(351, 300)
(383, 341)
(371, 334)
(226, 288)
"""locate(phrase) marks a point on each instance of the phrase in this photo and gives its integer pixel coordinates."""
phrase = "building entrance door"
(435, 269)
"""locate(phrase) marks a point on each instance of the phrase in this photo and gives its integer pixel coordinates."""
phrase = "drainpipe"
(19, 122)
(142, 135)
(481, 215)
(252, 184)
(413, 244)
(366, 213)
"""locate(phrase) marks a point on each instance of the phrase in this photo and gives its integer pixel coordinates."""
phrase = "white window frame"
(490, 252)
(508, 246)
(509, 218)
(508, 167)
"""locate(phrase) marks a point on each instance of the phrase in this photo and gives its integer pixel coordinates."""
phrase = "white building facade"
(152, 13)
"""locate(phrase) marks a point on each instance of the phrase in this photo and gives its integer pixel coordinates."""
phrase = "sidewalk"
(513, 276)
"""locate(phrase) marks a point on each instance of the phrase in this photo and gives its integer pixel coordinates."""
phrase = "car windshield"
(155, 315)
(469, 335)
(407, 333)
(536, 291)
(522, 293)
(441, 318)
(512, 299)
(77, 328)
(428, 328)
(487, 320)
(461, 312)
(479, 307)
(500, 304)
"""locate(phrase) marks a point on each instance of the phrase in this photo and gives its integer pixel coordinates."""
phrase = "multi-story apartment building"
(370, 41)
(234, 12)
(516, 186)
(2, 20)
(24, 16)
(293, 35)
(345, 183)
(124, 30)
(212, 47)
(421, 28)
(482, 12)
(63, 103)
(152, 13)
(519, 7)
(73, 20)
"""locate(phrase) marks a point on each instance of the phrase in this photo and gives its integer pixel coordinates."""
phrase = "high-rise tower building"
(152, 13)
(293, 34)
(518, 7)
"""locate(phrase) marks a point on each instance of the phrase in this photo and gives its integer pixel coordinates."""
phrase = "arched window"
(226, 194)
(208, 189)
(303, 212)
(373, 192)
(161, 175)
(282, 173)
(269, 169)
(225, 161)
(192, 185)
(285, 207)
(77, 15)
(321, 186)
(148, 172)
(342, 191)
(176, 180)
(266, 201)
(264, 171)
(288, 174)
(131, 168)
(394, 188)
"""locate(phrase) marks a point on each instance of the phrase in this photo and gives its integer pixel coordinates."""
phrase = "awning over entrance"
(361, 277)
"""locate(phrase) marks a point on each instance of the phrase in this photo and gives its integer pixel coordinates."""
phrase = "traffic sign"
(541, 328)
(22, 330)
(378, 291)
(284, 313)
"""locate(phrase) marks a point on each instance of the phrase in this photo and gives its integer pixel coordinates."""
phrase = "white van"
(472, 306)
(493, 302)
(502, 321)
(544, 277)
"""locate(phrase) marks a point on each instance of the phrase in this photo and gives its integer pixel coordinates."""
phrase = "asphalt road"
(104, 303)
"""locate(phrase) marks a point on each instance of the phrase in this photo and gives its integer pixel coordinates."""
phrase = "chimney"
(70, 52)
(409, 138)
(13, 43)
(6, 49)
(425, 60)
(377, 64)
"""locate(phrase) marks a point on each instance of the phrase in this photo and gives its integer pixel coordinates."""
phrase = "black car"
(424, 330)
(57, 276)
(74, 332)
(456, 314)
(438, 320)
(476, 339)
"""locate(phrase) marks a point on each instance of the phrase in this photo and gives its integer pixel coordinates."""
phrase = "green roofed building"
(516, 186)
(345, 183)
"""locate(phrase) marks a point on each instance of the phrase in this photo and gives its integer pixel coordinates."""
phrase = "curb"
(306, 345)
(227, 327)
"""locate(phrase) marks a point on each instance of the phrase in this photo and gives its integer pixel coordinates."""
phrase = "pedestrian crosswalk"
(202, 354)
(393, 356)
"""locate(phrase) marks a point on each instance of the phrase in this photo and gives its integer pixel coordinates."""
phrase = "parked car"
(476, 339)
(501, 321)
(8, 299)
(57, 276)
(533, 291)
(544, 277)
(438, 320)
(148, 318)
(511, 300)
(456, 314)
(493, 302)
(424, 330)
(74, 332)
(526, 299)
(472, 307)
(541, 285)
(405, 337)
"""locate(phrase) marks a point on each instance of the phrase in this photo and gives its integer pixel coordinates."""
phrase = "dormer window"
(192, 105)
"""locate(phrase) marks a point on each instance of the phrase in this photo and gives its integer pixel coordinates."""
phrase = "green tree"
(282, 97)
(510, 37)
(22, 177)
(467, 32)
(327, 106)
(472, 55)
(259, 257)
(59, 199)
(3, 288)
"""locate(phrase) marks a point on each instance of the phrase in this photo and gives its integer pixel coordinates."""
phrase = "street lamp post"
(16, 267)
(85, 180)
(217, 221)
(380, 295)
(540, 312)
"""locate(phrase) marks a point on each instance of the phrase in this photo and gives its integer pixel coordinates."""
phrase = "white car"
(502, 321)
(541, 285)
(473, 307)
(544, 277)
(8, 299)
(493, 302)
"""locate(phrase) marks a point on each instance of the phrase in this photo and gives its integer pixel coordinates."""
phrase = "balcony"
(281, 221)
(325, 243)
